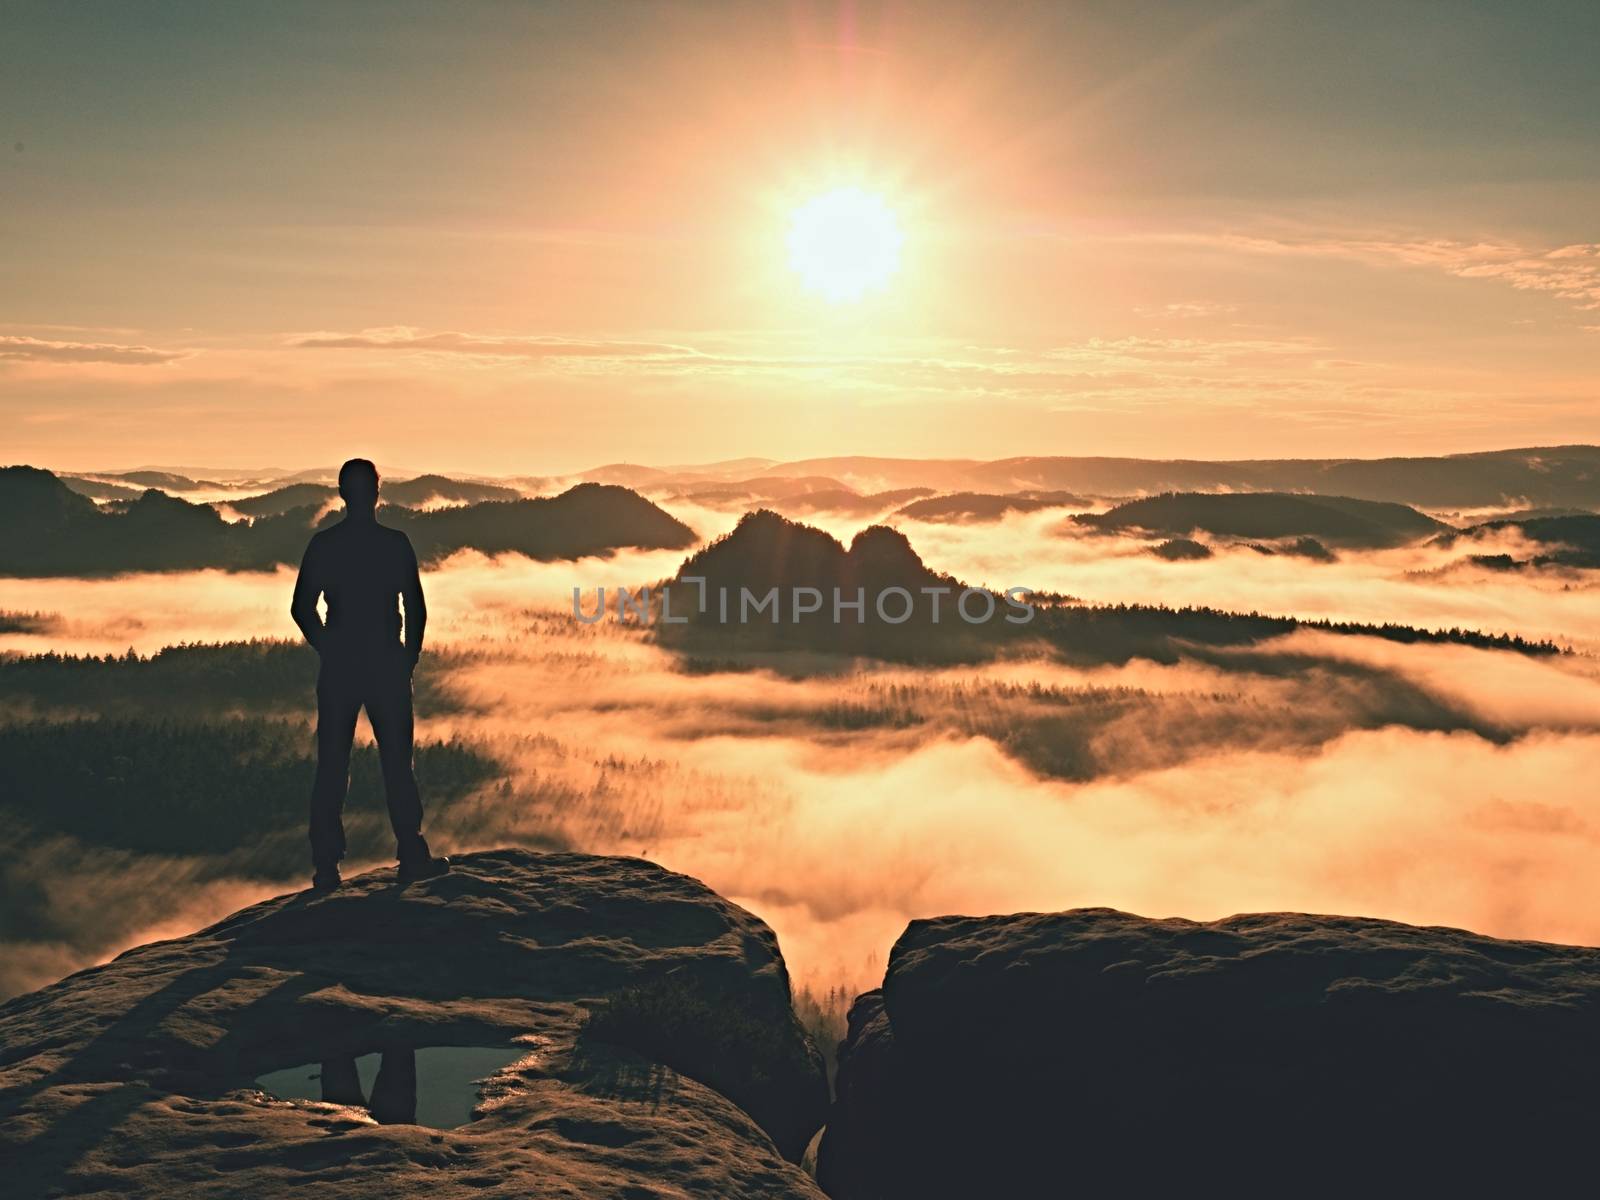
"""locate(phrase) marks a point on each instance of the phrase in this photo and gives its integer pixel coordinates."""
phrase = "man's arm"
(307, 587)
(415, 606)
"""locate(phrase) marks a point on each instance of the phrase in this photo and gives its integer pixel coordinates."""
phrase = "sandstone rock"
(137, 1077)
(1095, 1052)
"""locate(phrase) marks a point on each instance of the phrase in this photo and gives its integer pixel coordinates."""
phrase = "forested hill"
(1339, 520)
(46, 528)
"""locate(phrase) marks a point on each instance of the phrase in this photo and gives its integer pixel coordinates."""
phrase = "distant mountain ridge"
(99, 489)
(984, 506)
(1571, 540)
(284, 499)
(585, 520)
(1340, 520)
(1521, 477)
(46, 528)
(789, 494)
(1556, 475)
(409, 493)
(167, 481)
(1540, 476)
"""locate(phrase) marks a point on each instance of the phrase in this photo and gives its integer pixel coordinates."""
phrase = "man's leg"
(394, 725)
(337, 707)
(341, 1082)
(394, 1092)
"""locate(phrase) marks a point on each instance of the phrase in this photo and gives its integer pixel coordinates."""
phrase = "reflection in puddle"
(435, 1086)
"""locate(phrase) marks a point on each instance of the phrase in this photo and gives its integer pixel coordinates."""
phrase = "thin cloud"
(32, 349)
(1121, 366)
(519, 347)
(1570, 273)
(1184, 310)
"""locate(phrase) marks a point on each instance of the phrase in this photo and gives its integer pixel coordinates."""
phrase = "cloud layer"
(39, 350)
(840, 799)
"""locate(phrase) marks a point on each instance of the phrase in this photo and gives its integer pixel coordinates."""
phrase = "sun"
(844, 244)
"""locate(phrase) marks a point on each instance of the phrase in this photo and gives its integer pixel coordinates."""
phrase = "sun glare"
(844, 244)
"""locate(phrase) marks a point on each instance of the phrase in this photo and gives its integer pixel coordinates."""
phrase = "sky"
(515, 238)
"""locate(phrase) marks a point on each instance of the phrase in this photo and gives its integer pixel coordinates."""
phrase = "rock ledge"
(1271, 1053)
(136, 1077)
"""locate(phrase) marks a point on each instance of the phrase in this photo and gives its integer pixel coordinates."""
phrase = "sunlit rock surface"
(1096, 1053)
(136, 1078)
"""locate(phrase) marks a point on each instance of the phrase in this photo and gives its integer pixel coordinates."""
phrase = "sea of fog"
(838, 800)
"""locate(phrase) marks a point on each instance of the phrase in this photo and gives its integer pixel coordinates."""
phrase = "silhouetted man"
(365, 570)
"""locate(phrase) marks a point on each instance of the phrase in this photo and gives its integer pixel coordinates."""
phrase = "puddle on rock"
(437, 1086)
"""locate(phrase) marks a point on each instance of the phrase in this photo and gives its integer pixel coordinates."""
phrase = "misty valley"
(1332, 704)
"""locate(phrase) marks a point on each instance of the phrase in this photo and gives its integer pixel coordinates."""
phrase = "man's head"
(358, 485)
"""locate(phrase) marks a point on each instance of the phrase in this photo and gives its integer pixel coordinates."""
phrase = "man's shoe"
(326, 879)
(413, 869)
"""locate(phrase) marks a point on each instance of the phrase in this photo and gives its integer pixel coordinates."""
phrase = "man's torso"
(362, 569)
